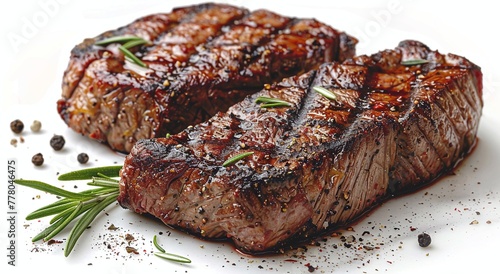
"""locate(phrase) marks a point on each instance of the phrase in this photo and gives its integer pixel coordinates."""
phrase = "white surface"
(31, 71)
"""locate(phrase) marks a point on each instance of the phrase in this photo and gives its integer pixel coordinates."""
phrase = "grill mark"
(87, 48)
(186, 41)
(194, 74)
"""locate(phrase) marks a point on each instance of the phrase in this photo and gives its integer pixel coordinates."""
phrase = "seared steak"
(319, 163)
(202, 60)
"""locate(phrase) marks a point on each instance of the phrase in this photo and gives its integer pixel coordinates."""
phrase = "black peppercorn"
(424, 239)
(17, 126)
(37, 159)
(57, 142)
(83, 158)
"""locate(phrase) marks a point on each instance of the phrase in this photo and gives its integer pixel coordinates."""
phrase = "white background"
(36, 38)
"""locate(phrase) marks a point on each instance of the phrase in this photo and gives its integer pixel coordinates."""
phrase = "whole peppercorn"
(17, 126)
(424, 239)
(83, 158)
(36, 126)
(37, 159)
(57, 142)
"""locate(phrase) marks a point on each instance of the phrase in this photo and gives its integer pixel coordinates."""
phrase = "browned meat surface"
(319, 163)
(203, 59)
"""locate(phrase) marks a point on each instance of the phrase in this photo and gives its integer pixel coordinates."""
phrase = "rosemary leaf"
(155, 243)
(68, 211)
(236, 158)
(104, 182)
(173, 257)
(133, 43)
(56, 203)
(64, 223)
(414, 62)
(118, 39)
(85, 221)
(325, 92)
(89, 173)
(273, 105)
(40, 213)
(131, 56)
(47, 230)
(269, 100)
(51, 189)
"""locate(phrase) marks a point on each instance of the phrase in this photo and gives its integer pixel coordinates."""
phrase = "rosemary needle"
(236, 158)
(325, 92)
(118, 39)
(88, 173)
(268, 102)
(414, 62)
(155, 242)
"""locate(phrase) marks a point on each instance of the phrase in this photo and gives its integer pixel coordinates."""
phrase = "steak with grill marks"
(202, 60)
(319, 163)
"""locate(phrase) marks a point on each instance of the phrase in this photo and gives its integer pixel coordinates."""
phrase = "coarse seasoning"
(83, 158)
(36, 126)
(57, 142)
(37, 159)
(17, 126)
(424, 239)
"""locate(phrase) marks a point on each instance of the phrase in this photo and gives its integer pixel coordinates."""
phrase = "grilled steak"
(319, 163)
(202, 60)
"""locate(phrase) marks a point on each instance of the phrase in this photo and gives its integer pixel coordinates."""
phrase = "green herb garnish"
(127, 42)
(325, 92)
(134, 59)
(414, 62)
(268, 102)
(88, 203)
(236, 158)
(119, 39)
(169, 256)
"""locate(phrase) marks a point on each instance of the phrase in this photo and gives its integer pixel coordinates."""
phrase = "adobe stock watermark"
(381, 18)
(32, 25)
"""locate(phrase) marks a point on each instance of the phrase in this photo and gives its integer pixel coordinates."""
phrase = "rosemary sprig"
(414, 62)
(233, 160)
(268, 102)
(169, 256)
(325, 92)
(127, 41)
(88, 203)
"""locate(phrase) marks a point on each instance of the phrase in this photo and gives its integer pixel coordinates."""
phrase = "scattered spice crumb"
(131, 250)
(112, 227)
(21, 139)
(52, 241)
(13, 142)
(129, 237)
(474, 222)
